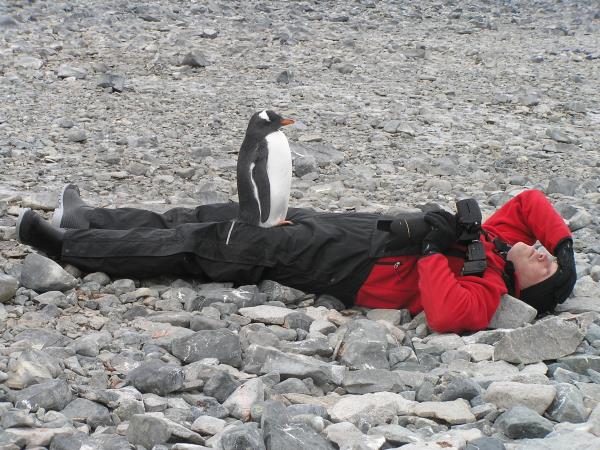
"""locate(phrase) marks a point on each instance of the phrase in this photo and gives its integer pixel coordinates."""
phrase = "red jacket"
(452, 302)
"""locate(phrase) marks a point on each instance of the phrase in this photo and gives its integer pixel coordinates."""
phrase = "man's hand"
(564, 254)
(566, 258)
(443, 232)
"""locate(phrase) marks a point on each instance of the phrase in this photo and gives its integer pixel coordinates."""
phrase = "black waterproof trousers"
(323, 253)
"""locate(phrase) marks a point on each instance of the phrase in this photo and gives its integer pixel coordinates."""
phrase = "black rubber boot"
(71, 210)
(34, 231)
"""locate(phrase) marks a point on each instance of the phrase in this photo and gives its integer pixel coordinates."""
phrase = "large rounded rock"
(156, 377)
(221, 344)
(42, 275)
(55, 394)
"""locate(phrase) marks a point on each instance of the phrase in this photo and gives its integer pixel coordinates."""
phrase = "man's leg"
(74, 213)
(213, 251)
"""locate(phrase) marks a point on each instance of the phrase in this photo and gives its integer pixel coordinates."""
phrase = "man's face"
(532, 266)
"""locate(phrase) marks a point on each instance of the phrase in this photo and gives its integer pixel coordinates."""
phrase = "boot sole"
(60, 211)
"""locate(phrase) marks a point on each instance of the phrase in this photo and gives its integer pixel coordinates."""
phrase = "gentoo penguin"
(264, 171)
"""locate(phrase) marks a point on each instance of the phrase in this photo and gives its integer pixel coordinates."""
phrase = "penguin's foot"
(284, 222)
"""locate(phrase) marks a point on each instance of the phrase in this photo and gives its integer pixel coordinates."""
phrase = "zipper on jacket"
(396, 264)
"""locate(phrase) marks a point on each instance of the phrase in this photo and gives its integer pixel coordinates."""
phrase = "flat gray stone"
(324, 154)
(373, 380)
(147, 431)
(42, 274)
(512, 313)
(55, 395)
(67, 71)
(221, 344)
(266, 314)
(520, 422)
(298, 366)
(547, 339)
(579, 304)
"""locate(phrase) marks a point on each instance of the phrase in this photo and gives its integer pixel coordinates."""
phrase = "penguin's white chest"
(279, 171)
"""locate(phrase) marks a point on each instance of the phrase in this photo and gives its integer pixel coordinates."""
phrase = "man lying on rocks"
(369, 260)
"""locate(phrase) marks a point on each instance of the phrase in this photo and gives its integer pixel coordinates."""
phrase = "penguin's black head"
(265, 122)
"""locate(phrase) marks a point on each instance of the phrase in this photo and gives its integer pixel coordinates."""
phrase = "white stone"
(322, 326)
(266, 314)
(346, 435)
(479, 352)
(378, 407)
(208, 425)
(505, 394)
(241, 400)
(40, 437)
(455, 412)
(444, 341)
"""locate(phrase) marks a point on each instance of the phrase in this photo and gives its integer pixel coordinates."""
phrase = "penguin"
(264, 171)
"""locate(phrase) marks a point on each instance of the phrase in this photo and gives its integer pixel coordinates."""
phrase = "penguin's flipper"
(260, 177)
(249, 209)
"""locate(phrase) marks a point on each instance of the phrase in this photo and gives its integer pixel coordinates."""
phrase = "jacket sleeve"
(455, 304)
(526, 218)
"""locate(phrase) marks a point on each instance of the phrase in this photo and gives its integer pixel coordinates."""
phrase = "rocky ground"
(397, 103)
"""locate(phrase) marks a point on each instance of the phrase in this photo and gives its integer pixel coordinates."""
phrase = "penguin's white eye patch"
(263, 115)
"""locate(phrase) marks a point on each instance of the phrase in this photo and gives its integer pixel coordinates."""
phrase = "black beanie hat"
(545, 295)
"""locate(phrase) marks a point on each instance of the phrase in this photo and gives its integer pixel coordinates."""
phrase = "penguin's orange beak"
(284, 122)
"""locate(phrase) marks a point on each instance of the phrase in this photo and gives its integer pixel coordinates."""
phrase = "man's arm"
(526, 218)
(455, 304)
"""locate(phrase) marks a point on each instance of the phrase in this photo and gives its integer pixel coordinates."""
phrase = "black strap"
(508, 274)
